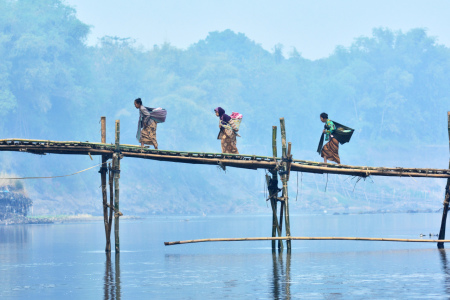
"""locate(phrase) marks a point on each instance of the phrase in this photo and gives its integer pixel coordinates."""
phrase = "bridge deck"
(43, 147)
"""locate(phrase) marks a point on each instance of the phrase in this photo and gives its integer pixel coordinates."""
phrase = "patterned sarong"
(148, 135)
(331, 151)
(228, 141)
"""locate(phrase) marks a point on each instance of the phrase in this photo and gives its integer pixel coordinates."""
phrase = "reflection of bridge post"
(117, 276)
(445, 269)
(108, 287)
(447, 198)
(288, 274)
(281, 276)
(112, 279)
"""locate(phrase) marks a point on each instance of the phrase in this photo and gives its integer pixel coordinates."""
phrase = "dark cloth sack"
(342, 133)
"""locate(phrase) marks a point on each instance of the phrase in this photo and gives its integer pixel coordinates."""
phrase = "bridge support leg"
(103, 171)
(116, 172)
(284, 179)
(280, 242)
(447, 197)
(272, 186)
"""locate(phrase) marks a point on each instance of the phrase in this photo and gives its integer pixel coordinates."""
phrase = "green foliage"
(392, 87)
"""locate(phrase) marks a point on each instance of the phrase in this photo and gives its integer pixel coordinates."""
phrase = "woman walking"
(146, 126)
(227, 134)
(331, 149)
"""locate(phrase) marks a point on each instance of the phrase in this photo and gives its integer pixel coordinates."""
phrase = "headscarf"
(223, 116)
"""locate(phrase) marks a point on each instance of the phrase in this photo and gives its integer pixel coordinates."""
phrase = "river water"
(67, 260)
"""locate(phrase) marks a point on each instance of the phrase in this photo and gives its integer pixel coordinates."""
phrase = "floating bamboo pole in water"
(447, 196)
(293, 238)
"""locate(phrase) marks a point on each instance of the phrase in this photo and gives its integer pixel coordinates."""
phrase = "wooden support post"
(103, 124)
(103, 170)
(111, 199)
(274, 141)
(116, 171)
(280, 242)
(284, 179)
(274, 213)
(447, 196)
(283, 137)
(272, 185)
(289, 157)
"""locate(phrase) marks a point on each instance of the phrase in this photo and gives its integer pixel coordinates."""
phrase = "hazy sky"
(313, 27)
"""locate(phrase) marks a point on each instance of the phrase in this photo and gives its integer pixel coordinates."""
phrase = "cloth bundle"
(158, 114)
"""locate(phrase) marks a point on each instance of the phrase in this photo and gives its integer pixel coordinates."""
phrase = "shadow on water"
(281, 275)
(112, 279)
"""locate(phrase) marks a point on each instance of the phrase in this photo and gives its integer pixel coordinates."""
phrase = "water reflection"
(446, 270)
(112, 279)
(17, 234)
(281, 275)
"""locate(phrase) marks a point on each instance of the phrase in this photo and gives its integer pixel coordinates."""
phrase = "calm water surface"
(67, 260)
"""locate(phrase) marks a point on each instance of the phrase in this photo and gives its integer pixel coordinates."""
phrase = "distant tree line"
(392, 87)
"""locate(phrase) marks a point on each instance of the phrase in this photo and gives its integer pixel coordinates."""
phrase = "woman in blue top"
(331, 149)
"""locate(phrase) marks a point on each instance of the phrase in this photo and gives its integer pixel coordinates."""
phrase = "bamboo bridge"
(43, 147)
(277, 166)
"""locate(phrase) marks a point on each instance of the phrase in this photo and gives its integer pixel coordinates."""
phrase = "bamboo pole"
(111, 200)
(293, 238)
(280, 242)
(103, 126)
(284, 179)
(103, 170)
(283, 137)
(289, 156)
(272, 185)
(274, 215)
(116, 170)
(447, 196)
(274, 141)
(253, 162)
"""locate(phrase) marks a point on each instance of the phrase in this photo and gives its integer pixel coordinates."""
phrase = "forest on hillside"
(392, 87)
